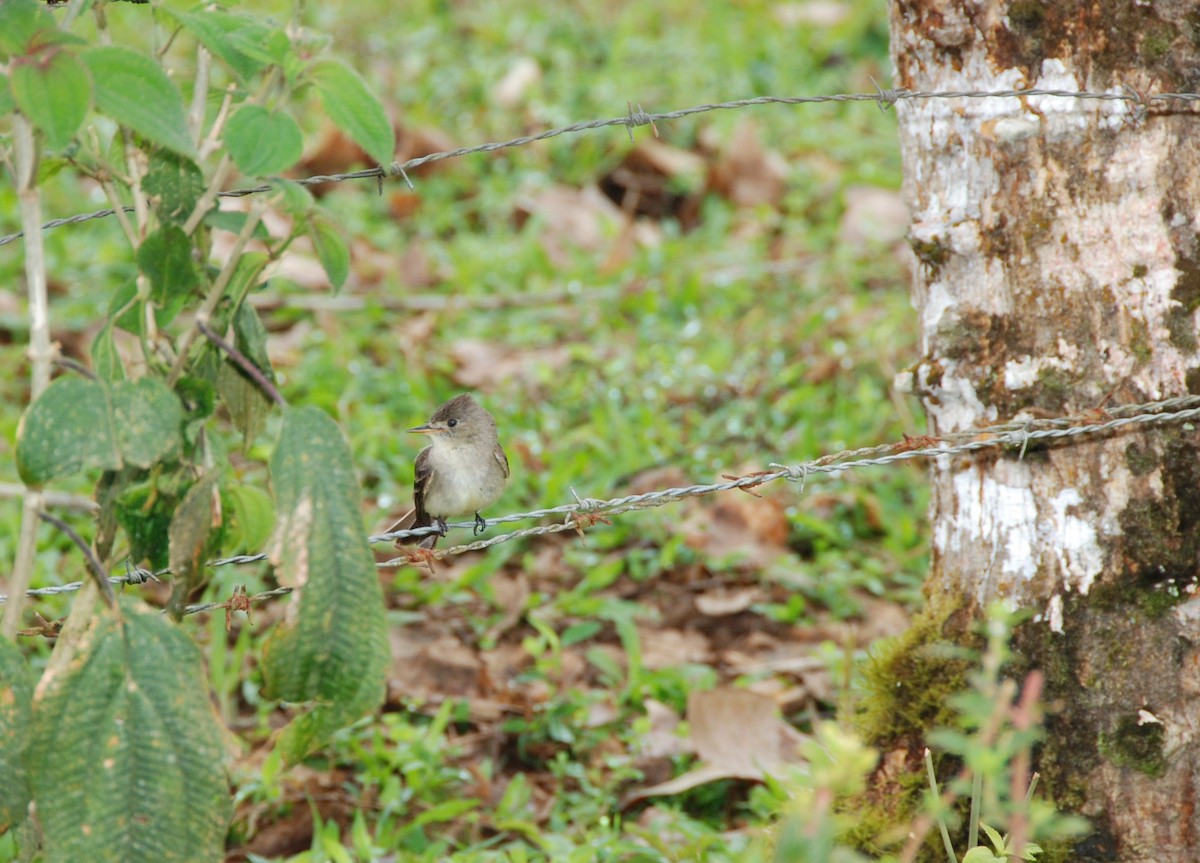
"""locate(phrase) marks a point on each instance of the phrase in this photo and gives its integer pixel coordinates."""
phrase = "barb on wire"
(883, 98)
(584, 512)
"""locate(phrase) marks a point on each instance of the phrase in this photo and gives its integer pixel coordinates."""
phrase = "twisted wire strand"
(1014, 433)
(884, 98)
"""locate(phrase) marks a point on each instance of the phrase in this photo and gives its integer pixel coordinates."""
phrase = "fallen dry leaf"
(740, 525)
(648, 180)
(725, 601)
(737, 734)
(667, 648)
(741, 731)
(663, 739)
(571, 220)
(747, 173)
(482, 365)
(426, 664)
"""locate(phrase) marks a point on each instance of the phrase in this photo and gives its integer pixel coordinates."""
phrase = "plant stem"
(41, 353)
(218, 288)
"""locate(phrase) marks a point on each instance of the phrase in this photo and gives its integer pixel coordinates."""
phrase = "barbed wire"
(584, 512)
(884, 98)
(141, 576)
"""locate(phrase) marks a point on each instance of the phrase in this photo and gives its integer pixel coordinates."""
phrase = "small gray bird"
(463, 470)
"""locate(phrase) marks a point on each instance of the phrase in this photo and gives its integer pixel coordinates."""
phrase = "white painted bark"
(1059, 249)
(1051, 261)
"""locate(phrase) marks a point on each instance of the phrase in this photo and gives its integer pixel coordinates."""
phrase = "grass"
(755, 335)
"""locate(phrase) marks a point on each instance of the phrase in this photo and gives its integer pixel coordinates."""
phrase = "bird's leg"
(480, 525)
(440, 524)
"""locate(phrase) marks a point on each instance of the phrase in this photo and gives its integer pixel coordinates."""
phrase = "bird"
(462, 471)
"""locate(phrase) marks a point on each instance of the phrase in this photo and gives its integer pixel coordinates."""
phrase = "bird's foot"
(442, 527)
(480, 525)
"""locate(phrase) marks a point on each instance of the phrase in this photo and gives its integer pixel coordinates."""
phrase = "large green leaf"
(53, 90)
(126, 759)
(166, 258)
(77, 424)
(134, 90)
(16, 698)
(235, 39)
(354, 109)
(263, 142)
(332, 648)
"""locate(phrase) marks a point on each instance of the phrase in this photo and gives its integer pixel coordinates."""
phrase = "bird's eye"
(451, 423)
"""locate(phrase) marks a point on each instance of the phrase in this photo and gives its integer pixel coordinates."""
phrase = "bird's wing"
(423, 475)
(498, 454)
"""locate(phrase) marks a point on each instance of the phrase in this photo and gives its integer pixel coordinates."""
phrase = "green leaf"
(19, 21)
(980, 854)
(130, 715)
(16, 698)
(53, 90)
(234, 39)
(331, 249)
(144, 512)
(247, 404)
(354, 109)
(189, 540)
(77, 424)
(146, 417)
(994, 837)
(251, 516)
(261, 141)
(131, 319)
(134, 90)
(106, 362)
(250, 337)
(166, 258)
(297, 200)
(332, 648)
(174, 185)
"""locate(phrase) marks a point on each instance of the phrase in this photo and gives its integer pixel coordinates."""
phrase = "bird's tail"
(408, 521)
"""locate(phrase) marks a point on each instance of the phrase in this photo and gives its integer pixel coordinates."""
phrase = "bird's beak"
(425, 429)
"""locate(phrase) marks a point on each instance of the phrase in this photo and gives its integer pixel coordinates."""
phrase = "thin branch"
(94, 566)
(41, 352)
(199, 94)
(60, 499)
(244, 364)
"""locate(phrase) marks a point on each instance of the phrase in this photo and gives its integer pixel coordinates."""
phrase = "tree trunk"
(1059, 271)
